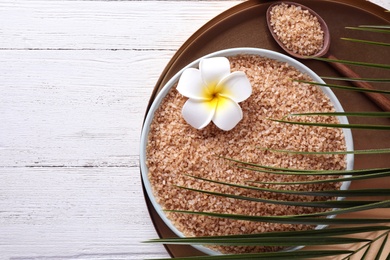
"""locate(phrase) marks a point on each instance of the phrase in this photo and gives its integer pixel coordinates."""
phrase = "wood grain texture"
(129, 25)
(75, 108)
(73, 213)
(75, 79)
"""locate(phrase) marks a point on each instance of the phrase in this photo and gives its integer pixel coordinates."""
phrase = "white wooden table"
(75, 79)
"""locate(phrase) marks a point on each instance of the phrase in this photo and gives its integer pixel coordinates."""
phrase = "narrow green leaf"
(370, 151)
(374, 205)
(366, 42)
(281, 255)
(381, 26)
(351, 178)
(286, 171)
(279, 170)
(327, 193)
(351, 126)
(378, 29)
(344, 87)
(343, 193)
(318, 204)
(262, 170)
(378, 80)
(289, 220)
(342, 173)
(270, 167)
(378, 256)
(267, 241)
(359, 114)
(327, 232)
(357, 63)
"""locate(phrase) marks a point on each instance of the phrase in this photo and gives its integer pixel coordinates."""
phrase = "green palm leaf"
(368, 206)
(318, 204)
(362, 174)
(366, 42)
(371, 28)
(292, 171)
(356, 63)
(371, 151)
(289, 219)
(378, 80)
(271, 256)
(344, 87)
(327, 232)
(270, 241)
(351, 126)
(352, 178)
(326, 193)
(360, 114)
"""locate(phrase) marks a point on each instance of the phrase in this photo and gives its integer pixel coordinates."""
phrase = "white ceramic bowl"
(226, 53)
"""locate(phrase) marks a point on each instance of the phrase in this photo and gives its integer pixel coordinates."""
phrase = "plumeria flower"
(213, 94)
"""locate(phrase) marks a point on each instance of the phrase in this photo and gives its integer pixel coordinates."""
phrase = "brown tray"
(245, 25)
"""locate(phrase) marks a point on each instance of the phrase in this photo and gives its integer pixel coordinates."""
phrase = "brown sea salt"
(298, 30)
(176, 150)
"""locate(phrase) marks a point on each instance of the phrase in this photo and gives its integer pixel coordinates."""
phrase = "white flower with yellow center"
(213, 94)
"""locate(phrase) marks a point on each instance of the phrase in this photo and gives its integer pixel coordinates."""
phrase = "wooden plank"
(103, 24)
(94, 213)
(75, 108)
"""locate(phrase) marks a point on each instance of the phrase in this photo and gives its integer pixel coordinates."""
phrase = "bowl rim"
(227, 53)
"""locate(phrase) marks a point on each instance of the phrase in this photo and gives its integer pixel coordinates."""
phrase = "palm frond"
(326, 193)
(356, 63)
(371, 28)
(376, 26)
(369, 151)
(377, 80)
(350, 126)
(343, 179)
(269, 241)
(344, 87)
(374, 205)
(272, 241)
(289, 220)
(272, 256)
(303, 233)
(366, 42)
(317, 204)
(360, 174)
(294, 171)
(357, 114)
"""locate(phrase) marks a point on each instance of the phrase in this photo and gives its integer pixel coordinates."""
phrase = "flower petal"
(228, 114)
(191, 84)
(213, 70)
(235, 86)
(198, 113)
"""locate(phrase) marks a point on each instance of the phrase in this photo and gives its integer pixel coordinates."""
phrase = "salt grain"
(297, 29)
